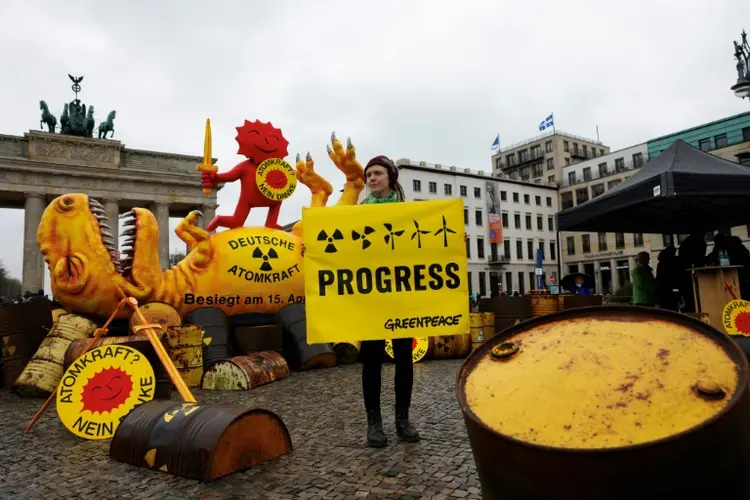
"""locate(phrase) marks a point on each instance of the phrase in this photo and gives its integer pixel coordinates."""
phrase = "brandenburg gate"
(39, 166)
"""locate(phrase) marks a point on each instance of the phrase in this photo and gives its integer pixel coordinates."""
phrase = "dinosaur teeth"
(107, 234)
(129, 231)
(129, 213)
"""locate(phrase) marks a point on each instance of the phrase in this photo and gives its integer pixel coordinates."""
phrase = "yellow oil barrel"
(609, 402)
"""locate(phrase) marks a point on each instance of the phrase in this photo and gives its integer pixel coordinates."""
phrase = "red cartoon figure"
(258, 142)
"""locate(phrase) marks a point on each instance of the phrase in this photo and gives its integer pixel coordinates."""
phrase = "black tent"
(680, 191)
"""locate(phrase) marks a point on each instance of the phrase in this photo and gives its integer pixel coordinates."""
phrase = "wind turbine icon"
(418, 234)
(445, 230)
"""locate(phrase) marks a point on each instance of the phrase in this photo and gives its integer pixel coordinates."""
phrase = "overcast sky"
(427, 80)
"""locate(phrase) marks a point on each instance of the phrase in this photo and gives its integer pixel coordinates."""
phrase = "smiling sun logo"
(107, 390)
(102, 387)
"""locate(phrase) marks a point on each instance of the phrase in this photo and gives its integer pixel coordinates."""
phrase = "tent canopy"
(682, 190)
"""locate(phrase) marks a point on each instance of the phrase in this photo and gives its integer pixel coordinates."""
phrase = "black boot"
(375, 435)
(404, 429)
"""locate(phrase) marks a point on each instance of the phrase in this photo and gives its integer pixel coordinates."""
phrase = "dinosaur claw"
(349, 143)
(309, 158)
(328, 148)
(200, 214)
(333, 136)
(298, 158)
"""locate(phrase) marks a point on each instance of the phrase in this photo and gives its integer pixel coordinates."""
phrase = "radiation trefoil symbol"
(363, 236)
(258, 254)
(336, 236)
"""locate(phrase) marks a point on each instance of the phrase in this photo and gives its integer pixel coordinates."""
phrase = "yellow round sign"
(419, 348)
(276, 179)
(736, 318)
(101, 387)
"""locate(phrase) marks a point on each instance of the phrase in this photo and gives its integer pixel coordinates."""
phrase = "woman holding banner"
(381, 175)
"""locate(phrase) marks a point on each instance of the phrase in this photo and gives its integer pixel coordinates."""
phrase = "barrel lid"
(601, 380)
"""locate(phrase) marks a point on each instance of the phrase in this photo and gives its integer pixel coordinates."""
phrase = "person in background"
(644, 284)
(580, 288)
(692, 253)
(667, 279)
(381, 175)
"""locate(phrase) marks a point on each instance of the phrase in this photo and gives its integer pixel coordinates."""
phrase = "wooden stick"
(98, 333)
(177, 380)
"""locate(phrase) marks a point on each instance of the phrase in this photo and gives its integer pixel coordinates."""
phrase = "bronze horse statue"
(47, 118)
(108, 126)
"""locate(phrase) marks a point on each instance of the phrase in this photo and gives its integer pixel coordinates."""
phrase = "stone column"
(112, 207)
(33, 262)
(161, 212)
(209, 212)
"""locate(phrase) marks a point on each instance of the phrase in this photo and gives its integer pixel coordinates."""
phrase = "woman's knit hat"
(386, 163)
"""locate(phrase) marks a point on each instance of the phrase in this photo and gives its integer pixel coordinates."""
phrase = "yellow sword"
(207, 165)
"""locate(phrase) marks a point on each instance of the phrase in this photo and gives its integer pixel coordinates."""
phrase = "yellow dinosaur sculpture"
(242, 270)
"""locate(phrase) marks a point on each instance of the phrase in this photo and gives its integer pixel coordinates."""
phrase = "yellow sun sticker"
(276, 179)
(100, 388)
(736, 318)
(419, 348)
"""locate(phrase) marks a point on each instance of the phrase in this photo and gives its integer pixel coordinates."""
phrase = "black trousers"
(371, 353)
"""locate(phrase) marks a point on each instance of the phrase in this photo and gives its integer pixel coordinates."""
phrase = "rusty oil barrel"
(450, 346)
(615, 402)
(45, 369)
(186, 352)
(199, 441)
(301, 355)
(163, 385)
(347, 353)
(215, 324)
(249, 371)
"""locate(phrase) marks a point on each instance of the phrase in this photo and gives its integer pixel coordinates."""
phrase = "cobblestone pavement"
(324, 412)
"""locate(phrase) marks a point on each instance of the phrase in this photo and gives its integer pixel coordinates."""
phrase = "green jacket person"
(644, 283)
(381, 175)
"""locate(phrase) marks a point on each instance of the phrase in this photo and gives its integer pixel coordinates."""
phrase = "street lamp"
(742, 54)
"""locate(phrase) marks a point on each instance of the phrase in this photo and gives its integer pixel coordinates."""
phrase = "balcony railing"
(496, 260)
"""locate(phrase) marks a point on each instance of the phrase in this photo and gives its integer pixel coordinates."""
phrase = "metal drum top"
(601, 377)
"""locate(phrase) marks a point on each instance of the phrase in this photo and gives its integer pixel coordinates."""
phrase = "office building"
(608, 257)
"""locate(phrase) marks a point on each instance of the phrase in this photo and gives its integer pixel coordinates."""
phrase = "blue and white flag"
(496, 143)
(547, 123)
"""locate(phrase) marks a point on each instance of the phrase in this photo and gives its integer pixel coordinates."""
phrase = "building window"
(506, 249)
(528, 222)
(705, 144)
(638, 239)
(478, 193)
(527, 199)
(567, 162)
(613, 183)
(541, 249)
(462, 189)
(503, 196)
(482, 284)
(493, 252)
(448, 190)
(566, 148)
(417, 184)
(638, 160)
(582, 195)
(548, 146)
(550, 164)
(510, 159)
(585, 150)
(602, 169)
(571, 178)
(597, 190)
(552, 252)
(619, 165)
(537, 170)
(523, 156)
(433, 187)
(515, 197)
(519, 249)
(551, 179)
(566, 199)
(571, 241)
(586, 243)
(478, 217)
(586, 174)
(468, 247)
(466, 216)
(505, 219)
(517, 221)
(551, 223)
(530, 249)
(721, 140)
(532, 281)
(602, 242)
(480, 248)
(470, 291)
(666, 240)
(549, 201)
(538, 200)
(619, 240)
(498, 164)
(521, 288)
(746, 134)
(540, 223)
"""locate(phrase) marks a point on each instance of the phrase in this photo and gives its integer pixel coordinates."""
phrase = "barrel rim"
(721, 338)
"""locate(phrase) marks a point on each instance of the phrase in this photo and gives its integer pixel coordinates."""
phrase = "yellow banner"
(385, 271)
